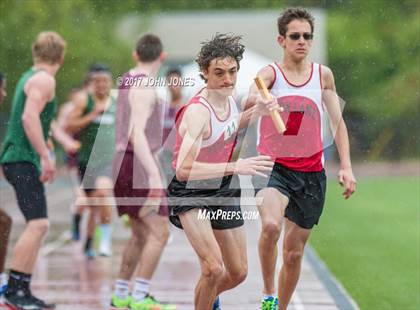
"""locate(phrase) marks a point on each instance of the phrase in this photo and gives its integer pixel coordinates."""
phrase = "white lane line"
(297, 302)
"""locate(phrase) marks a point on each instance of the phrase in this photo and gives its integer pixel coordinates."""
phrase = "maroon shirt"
(154, 125)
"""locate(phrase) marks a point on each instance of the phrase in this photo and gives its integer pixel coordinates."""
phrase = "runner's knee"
(212, 269)
(292, 258)
(106, 214)
(40, 226)
(271, 229)
(94, 210)
(159, 231)
(238, 275)
(102, 193)
(161, 235)
(137, 240)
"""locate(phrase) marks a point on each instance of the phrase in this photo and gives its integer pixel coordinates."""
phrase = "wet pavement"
(64, 276)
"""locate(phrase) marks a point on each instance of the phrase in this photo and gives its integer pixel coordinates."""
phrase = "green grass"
(371, 242)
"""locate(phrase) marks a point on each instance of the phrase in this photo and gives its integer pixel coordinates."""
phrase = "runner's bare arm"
(254, 105)
(39, 90)
(63, 114)
(332, 104)
(267, 75)
(193, 128)
(142, 101)
(69, 144)
(247, 116)
(76, 120)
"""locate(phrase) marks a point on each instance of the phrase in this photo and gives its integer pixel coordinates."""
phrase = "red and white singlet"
(218, 146)
(300, 147)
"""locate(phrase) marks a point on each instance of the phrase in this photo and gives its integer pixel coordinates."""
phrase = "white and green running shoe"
(150, 303)
(118, 303)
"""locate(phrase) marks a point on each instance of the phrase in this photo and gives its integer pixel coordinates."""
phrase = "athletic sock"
(121, 289)
(88, 244)
(26, 278)
(265, 296)
(106, 234)
(140, 289)
(18, 281)
(76, 221)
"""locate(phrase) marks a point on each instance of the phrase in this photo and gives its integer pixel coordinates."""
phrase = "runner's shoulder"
(80, 100)
(42, 81)
(197, 112)
(327, 77)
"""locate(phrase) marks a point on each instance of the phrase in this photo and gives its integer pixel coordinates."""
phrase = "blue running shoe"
(216, 305)
(90, 254)
(3, 289)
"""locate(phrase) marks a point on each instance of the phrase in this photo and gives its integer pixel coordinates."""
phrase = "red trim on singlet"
(221, 120)
(294, 85)
(275, 77)
(211, 129)
(183, 109)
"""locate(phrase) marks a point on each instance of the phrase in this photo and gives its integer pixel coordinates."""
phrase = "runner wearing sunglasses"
(296, 187)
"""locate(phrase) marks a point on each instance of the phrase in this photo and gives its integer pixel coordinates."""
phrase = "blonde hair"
(48, 47)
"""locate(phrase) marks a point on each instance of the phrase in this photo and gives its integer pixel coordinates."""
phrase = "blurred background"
(371, 242)
(372, 47)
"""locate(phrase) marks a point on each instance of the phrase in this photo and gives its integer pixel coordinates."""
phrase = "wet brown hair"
(220, 46)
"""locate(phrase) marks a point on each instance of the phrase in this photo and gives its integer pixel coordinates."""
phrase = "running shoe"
(105, 249)
(216, 305)
(118, 303)
(150, 303)
(42, 304)
(21, 301)
(3, 289)
(270, 303)
(90, 253)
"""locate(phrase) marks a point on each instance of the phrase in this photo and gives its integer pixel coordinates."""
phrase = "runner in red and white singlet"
(297, 185)
(218, 147)
(204, 194)
(300, 147)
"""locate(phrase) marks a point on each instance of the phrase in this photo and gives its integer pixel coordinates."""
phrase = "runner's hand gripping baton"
(275, 116)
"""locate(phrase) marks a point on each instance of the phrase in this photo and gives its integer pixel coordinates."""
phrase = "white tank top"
(227, 127)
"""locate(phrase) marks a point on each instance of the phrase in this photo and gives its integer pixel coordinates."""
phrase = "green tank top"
(98, 138)
(16, 146)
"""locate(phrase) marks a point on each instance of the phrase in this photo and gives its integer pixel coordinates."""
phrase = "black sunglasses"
(296, 36)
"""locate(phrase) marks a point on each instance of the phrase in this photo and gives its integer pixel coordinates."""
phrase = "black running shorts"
(30, 194)
(305, 190)
(218, 200)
